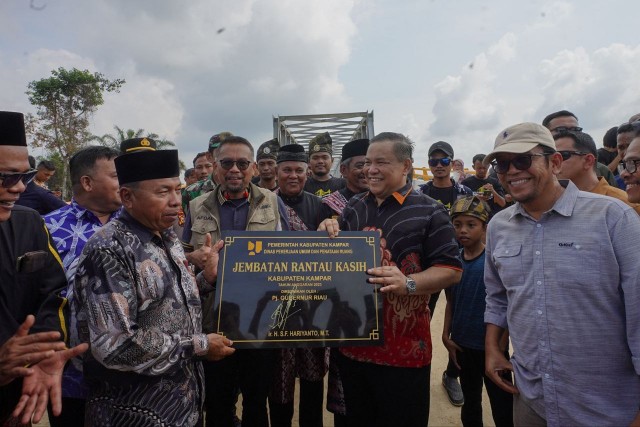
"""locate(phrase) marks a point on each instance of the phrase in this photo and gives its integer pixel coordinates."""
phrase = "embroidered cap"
(471, 206)
(268, 150)
(321, 143)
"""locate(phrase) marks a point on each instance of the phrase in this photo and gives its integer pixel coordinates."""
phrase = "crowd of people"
(107, 302)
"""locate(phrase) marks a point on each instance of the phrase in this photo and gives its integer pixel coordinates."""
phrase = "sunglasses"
(521, 162)
(445, 161)
(630, 166)
(228, 164)
(8, 180)
(566, 154)
(567, 129)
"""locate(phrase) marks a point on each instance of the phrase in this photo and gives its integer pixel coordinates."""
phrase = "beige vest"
(205, 218)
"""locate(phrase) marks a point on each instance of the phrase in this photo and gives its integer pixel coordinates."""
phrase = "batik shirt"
(70, 228)
(139, 307)
(415, 234)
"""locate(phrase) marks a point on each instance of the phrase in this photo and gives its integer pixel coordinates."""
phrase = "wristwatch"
(411, 286)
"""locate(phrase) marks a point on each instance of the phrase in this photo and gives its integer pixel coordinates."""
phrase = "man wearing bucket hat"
(562, 273)
(139, 306)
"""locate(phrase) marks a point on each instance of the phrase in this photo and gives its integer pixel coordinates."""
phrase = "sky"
(458, 71)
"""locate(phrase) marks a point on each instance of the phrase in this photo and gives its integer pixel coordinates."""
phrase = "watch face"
(411, 286)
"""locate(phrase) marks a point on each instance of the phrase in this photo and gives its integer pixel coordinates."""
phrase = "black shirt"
(475, 183)
(324, 188)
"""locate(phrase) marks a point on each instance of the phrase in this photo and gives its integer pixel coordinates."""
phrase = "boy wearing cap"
(464, 330)
(562, 273)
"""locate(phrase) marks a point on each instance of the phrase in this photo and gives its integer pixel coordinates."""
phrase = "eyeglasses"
(566, 154)
(630, 166)
(445, 161)
(521, 162)
(8, 180)
(228, 164)
(567, 129)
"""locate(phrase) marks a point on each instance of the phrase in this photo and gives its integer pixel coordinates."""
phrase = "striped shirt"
(416, 234)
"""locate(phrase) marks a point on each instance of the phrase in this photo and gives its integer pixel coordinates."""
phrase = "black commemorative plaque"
(298, 289)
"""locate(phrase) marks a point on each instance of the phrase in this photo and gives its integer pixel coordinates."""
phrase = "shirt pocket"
(577, 265)
(509, 263)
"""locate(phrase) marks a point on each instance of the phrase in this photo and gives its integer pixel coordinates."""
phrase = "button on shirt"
(568, 288)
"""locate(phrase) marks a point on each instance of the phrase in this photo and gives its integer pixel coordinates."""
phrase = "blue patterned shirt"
(70, 228)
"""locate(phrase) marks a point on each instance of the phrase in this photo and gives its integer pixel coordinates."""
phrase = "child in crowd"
(464, 328)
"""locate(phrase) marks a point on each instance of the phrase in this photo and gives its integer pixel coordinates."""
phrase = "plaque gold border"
(374, 334)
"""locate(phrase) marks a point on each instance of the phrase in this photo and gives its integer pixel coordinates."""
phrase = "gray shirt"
(568, 289)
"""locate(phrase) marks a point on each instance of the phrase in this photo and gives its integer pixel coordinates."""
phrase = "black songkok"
(147, 164)
(12, 129)
(292, 153)
(357, 147)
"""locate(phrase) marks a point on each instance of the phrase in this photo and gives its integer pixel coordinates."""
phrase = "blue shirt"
(70, 228)
(467, 323)
(568, 287)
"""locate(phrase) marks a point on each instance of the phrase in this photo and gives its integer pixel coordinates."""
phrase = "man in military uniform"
(266, 164)
(321, 183)
(206, 185)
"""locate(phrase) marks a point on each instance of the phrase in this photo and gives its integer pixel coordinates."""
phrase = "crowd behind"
(107, 301)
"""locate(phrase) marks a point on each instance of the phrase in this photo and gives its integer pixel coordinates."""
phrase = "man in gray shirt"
(561, 271)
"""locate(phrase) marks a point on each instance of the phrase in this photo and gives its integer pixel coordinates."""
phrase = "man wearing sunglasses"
(562, 121)
(445, 190)
(562, 275)
(31, 278)
(234, 204)
(579, 153)
(630, 172)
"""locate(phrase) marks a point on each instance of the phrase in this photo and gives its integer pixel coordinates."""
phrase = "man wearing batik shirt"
(352, 170)
(95, 202)
(389, 385)
(305, 212)
(321, 183)
(138, 305)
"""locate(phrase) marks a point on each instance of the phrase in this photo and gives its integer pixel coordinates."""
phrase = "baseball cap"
(471, 206)
(441, 146)
(519, 139)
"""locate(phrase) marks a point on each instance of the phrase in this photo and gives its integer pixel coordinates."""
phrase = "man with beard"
(321, 183)
(560, 264)
(138, 305)
(305, 212)
(266, 164)
(351, 168)
(235, 204)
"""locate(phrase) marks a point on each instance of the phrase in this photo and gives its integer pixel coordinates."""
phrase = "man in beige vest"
(235, 204)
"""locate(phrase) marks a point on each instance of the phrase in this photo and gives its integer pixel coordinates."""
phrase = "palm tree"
(114, 142)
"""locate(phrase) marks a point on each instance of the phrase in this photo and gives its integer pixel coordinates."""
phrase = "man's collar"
(563, 206)
(143, 233)
(400, 195)
(221, 194)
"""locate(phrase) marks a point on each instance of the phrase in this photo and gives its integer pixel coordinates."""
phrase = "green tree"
(65, 103)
